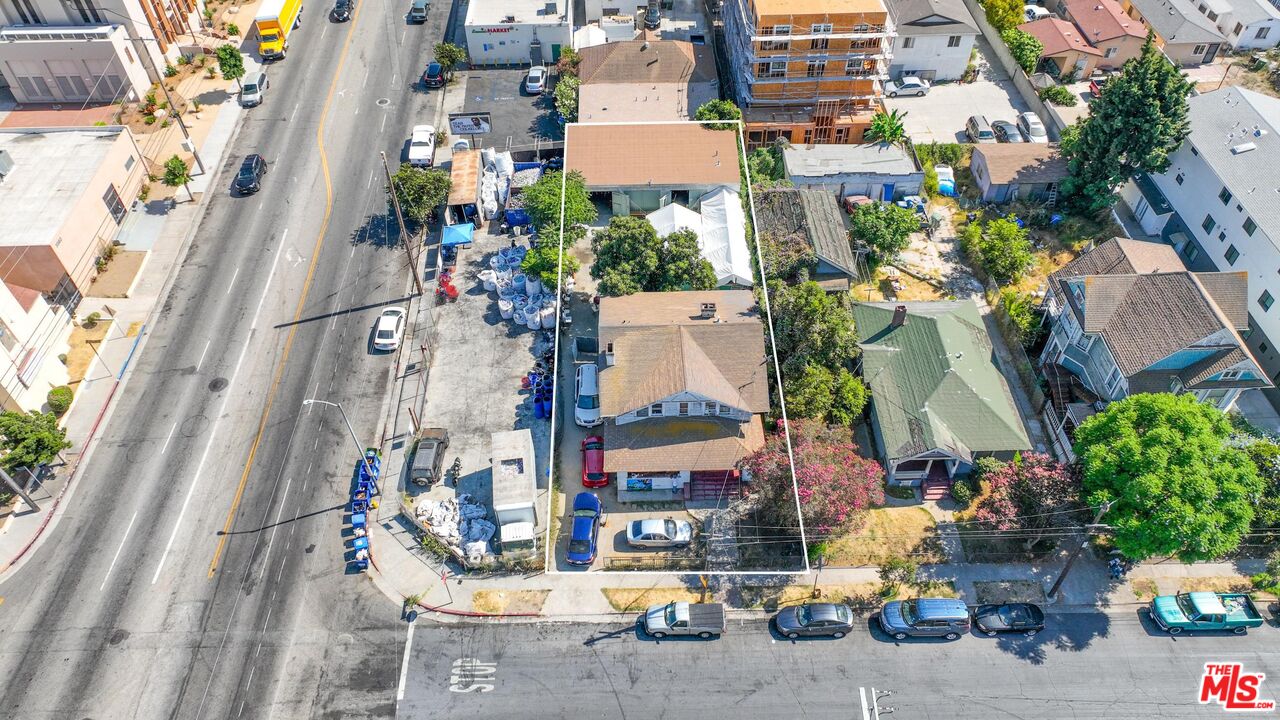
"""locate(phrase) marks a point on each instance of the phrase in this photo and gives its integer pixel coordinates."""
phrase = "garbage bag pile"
(460, 523)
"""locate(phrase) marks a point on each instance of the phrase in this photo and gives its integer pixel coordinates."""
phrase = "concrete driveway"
(519, 119)
(940, 116)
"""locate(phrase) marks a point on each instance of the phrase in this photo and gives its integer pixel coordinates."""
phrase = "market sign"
(482, 31)
(477, 123)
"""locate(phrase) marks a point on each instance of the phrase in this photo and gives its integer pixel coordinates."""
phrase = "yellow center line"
(306, 288)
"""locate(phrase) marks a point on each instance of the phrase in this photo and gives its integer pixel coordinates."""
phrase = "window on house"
(709, 408)
(774, 69)
(682, 409)
(1111, 52)
(775, 45)
(1238, 28)
(820, 28)
(861, 28)
(808, 136)
(953, 41)
(1231, 374)
(1262, 33)
(816, 68)
(88, 13)
(1232, 255)
(1179, 178)
(1266, 301)
(819, 44)
(1208, 224)
(26, 13)
(1113, 379)
(1213, 15)
(1224, 196)
(1199, 49)
(1190, 252)
(1262, 347)
(854, 67)
(1222, 236)
(781, 29)
(726, 410)
(655, 410)
(908, 43)
(1249, 226)
(114, 205)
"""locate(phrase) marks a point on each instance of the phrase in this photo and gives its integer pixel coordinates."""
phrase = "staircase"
(726, 489)
(934, 490)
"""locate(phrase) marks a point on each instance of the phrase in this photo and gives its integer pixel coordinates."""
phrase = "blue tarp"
(517, 217)
(457, 235)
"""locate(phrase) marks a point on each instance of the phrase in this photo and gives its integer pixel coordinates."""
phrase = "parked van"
(925, 617)
(979, 130)
(253, 87)
(1035, 12)
(418, 11)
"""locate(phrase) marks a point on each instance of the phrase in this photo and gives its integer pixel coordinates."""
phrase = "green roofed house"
(937, 399)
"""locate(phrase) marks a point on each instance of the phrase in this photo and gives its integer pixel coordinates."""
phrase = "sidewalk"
(165, 238)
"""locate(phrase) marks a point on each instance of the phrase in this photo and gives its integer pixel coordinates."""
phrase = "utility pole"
(13, 485)
(404, 233)
(1088, 530)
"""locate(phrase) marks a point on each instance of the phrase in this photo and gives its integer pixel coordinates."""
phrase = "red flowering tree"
(1033, 494)
(836, 485)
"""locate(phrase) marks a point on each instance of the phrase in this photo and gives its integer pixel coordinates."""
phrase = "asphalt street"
(200, 569)
(1100, 666)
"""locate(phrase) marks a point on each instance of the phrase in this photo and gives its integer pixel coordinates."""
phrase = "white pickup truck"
(684, 618)
(422, 146)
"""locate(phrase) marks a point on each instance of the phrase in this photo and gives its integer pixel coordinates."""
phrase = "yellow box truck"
(276, 20)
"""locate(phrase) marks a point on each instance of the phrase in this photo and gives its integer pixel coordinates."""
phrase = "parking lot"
(520, 120)
(940, 116)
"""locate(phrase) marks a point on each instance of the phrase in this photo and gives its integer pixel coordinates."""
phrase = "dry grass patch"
(1144, 589)
(115, 281)
(881, 289)
(81, 354)
(508, 601)
(134, 328)
(637, 599)
(1003, 591)
(859, 596)
(889, 532)
(1218, 584)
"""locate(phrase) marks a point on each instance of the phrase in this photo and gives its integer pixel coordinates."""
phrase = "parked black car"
(1022, 618)
(248, 181)
(343, 9)
(433, 76)
(1007, 132)
(831, 619)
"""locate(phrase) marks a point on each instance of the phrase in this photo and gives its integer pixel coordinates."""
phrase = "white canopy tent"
(674, 218)
(723, 240)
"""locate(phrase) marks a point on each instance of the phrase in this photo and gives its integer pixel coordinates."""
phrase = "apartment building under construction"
(807, 71)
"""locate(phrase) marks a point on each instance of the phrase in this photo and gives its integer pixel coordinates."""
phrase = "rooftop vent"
(1243, 148)
(899, 316)
(6, 164)
(707, 311)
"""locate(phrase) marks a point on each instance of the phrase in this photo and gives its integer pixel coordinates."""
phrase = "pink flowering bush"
(1032, 494)
(836, 485)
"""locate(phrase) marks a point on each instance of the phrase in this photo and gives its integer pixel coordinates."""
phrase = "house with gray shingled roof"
(787, 216)
(1129, 318)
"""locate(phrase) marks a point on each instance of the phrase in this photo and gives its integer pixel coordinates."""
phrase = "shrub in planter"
(962, 493)
(1058, 95)
(59, 399)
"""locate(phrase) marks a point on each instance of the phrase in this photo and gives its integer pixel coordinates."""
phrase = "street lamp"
(359, 449)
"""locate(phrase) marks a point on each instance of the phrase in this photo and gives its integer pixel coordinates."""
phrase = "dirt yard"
(508, 601)
(889, 532)
(636, 599)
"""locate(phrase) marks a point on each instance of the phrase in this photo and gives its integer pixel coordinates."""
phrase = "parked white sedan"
(907, 85)
(536, 81)
(389, 329)
(659, 533)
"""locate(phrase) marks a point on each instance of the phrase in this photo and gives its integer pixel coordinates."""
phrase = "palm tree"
(887, 127)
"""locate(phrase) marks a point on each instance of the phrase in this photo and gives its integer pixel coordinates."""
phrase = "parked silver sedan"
(659, 533)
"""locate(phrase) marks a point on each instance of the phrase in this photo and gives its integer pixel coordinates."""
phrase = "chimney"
(899, 316)
(708, 311)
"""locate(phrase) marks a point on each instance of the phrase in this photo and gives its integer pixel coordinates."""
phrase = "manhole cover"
(383, 102)
(119, 636)
(194, 425)
(218, 384)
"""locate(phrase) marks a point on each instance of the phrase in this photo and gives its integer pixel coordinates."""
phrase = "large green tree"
(885, 228)
(811, 327)
(29, 439)
(816, 392)
(1137, 122)
(1178, 486)
(1265, 455)
(718, 110)
(1004, 14)
(1024, 47)
(230, 62)
(543, 199)
(420, 190)
(1005, 250)
(449, 56)
(631, 258)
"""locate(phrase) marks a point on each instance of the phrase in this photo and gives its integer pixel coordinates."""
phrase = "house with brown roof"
(1006, 172)
(683, 385)
(1129, 318)
(640, 167)
(1105, 26)
(645, 79)
(1065, 51)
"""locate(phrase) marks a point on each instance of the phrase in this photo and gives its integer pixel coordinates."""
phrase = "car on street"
(925, 617)
(1022, 618)
(1031, 127)
(978, 130)
(388, 331)
(593, 475)
(907, 85)
(1007, 132)
(249, 179)
(587, 517)
(586, 394)
(418, 11)
(659, 533)
(433, 76)
(1205, 611)
(684, 618)
(814, 619)
(253, 88)
(342, 10)
(536, 80)
(422, 146)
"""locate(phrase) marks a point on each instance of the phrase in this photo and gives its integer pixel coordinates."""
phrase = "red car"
(593, 462)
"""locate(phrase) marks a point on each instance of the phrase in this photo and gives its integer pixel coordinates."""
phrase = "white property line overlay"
(548, 563)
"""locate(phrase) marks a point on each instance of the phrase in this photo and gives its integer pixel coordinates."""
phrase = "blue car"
(587, 513)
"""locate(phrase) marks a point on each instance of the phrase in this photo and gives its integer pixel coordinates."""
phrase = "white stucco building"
(518, 32)
(935, 38)
(1217, 204)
